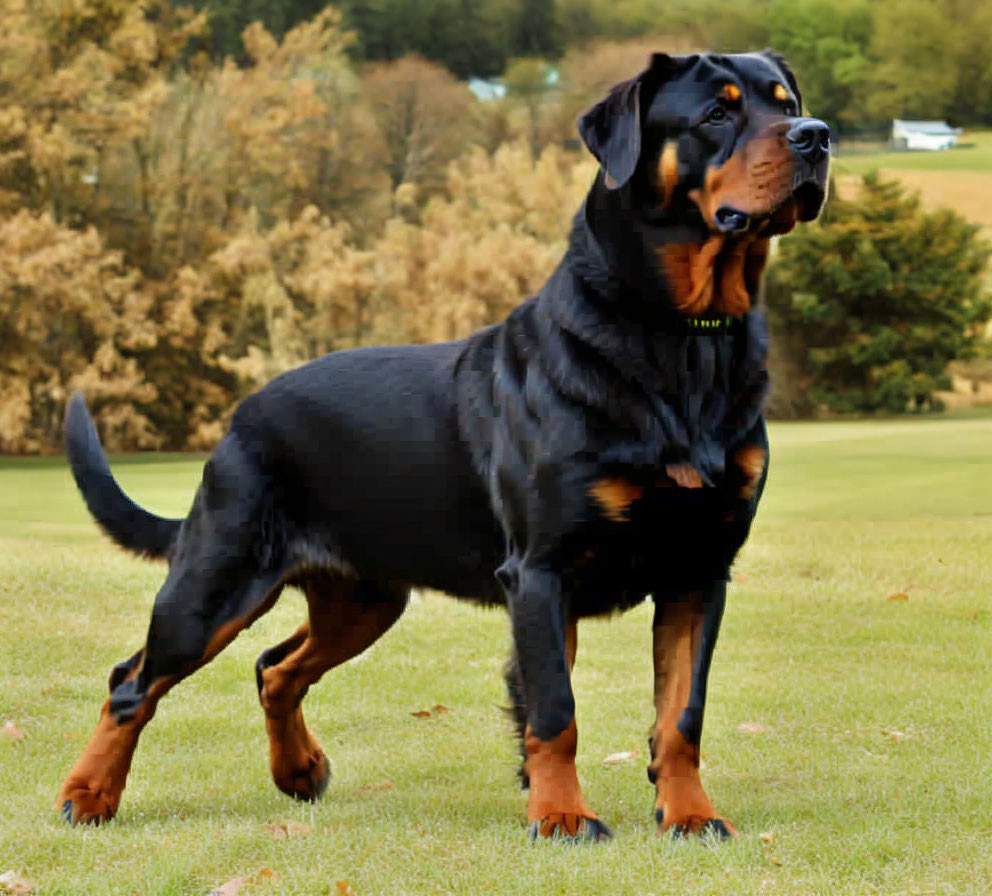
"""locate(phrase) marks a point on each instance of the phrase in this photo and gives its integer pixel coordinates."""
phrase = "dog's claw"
(716, 827)
(591, 830)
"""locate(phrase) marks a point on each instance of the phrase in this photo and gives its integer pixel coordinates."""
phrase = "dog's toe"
(574, 828)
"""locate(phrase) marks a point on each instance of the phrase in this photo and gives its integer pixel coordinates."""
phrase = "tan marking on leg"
(338, 629)
(615, 496)
(751, 460)
(555, 800)
(571, 642)
(95, 783)
(675, 763)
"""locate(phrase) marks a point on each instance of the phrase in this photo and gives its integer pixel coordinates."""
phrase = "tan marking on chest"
(684, 475)
(718, 275)
(615, 496)
(751, 460)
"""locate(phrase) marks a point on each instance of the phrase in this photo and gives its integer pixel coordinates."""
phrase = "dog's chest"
(647, 535)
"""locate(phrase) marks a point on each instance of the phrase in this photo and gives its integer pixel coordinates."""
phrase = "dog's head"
(703, 159)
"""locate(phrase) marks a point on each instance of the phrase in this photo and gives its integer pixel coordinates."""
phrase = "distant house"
(924, 134)
(487, 89)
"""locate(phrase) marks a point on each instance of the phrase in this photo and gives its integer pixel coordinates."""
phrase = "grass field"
(848, 736)
(960, 178)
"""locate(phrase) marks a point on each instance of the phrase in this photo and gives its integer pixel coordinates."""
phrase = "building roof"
(934, 128)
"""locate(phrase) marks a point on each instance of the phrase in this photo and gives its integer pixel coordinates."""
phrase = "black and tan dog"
(604, 443)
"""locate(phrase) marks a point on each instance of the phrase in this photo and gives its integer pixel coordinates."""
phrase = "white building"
(924, 134)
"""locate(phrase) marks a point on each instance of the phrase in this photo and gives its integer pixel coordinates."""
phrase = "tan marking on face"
(668, 173)
(615, 496)
(756, 179)
(731, 93)
(780, 93)
(751, 460)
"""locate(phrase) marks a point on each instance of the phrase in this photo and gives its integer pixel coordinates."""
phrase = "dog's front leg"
(537, 610)
(685, 633)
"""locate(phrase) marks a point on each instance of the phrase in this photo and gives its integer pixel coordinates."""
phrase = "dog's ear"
(612, 128)
(779, 60)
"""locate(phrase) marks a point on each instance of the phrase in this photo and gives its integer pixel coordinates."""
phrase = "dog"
(603, 444)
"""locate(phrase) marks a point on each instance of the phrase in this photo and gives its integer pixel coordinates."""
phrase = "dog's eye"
(717, 115)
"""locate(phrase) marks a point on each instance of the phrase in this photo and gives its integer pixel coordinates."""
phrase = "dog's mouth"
(722, 273)
(802, 204)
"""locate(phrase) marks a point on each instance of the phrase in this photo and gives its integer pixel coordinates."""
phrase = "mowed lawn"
(848, 735)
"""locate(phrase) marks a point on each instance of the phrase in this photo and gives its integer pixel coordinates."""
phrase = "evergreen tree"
(872, 303)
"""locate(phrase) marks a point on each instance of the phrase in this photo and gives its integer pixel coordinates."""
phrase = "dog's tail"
(131, 526)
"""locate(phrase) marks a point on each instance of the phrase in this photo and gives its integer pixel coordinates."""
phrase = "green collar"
(710, 323)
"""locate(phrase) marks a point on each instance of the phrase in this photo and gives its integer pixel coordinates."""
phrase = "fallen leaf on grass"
(768, 838)
(381, 785)
(345, 889)
(291, 829)
(11, 732)
(752, 727)
(435, 710)
(899, 595)
(774, 861)
(624, 756)
(234, 886)
(11, 882)
(893, 735)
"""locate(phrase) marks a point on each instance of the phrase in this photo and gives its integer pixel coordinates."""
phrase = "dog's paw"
(78, 804)
(568, 826)
(308, 781)
(695, 826)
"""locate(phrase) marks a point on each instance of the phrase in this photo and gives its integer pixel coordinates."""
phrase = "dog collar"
(710, 323)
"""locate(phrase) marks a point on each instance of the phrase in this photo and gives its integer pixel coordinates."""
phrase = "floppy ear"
(779, 60)
(612, 128)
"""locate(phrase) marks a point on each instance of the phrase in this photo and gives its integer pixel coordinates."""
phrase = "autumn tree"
(72, 316)
(871, 303)
(424, 117)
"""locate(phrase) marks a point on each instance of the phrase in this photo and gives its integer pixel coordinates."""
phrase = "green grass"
(974, 154)
(873, 774)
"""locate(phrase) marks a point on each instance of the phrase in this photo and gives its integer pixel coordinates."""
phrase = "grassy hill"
(960, 178)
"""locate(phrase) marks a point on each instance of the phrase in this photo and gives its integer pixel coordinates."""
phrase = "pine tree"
(872, 303)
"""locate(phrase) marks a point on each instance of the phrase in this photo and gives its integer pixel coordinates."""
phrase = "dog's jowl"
(602, 444)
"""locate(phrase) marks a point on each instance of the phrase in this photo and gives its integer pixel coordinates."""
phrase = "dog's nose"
(730, 220)
(810, 138)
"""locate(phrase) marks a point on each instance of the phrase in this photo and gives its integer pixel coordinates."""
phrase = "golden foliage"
(174, 231)
(73, 317)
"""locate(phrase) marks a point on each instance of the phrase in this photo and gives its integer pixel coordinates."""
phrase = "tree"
(871, 304)
(424, 117)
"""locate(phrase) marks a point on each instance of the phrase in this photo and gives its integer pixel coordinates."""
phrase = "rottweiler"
(603, 444)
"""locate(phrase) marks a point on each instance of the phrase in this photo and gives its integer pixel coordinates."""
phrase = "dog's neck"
(685, 273)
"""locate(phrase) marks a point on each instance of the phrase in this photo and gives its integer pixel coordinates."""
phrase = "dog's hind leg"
(346, 617)
(218, 583)
(92, 790)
